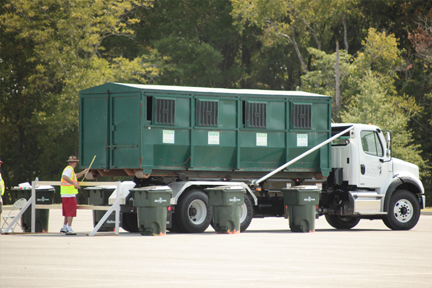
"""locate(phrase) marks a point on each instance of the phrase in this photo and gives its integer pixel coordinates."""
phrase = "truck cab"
(367, 182)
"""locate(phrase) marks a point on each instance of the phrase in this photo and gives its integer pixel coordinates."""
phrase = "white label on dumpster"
(213, 137)
(43, 199)
(168, 136)
(261, 139)
(302, 140)
(234, 199)
(160, 200)
(309, 199)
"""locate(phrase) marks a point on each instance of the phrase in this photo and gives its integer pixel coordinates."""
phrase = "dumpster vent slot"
(301, 116)
(256, 114)
(207, 113)
(165, 111)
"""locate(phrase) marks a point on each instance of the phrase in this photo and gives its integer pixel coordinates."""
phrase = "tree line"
(373, 57)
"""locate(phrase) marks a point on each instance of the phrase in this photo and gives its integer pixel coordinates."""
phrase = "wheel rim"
(403, 210)
(197, 212)
(345, 219)
(243, 212)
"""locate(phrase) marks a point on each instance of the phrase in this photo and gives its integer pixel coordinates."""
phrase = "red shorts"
(69, 206)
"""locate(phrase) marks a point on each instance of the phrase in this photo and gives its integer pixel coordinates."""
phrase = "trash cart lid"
(303, 187)
(101, 187)
(228, 188)
(152, 188)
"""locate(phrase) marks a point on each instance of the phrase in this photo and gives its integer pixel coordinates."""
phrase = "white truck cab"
(367, 182)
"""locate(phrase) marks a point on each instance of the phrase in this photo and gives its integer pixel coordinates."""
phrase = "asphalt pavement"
(268, 254)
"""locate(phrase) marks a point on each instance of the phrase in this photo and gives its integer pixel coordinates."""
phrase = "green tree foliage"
(50, 49)
(373, 105)
(417, 81)
(321, 79)
(203, 47)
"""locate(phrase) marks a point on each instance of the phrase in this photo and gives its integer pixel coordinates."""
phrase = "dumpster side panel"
(166, 135)
(125, 130)
(94, 130)
(163, 128)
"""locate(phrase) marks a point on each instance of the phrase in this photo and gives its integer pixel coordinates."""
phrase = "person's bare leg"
(69, 221)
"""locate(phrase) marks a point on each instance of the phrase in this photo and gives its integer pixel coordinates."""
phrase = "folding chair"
(17, 206)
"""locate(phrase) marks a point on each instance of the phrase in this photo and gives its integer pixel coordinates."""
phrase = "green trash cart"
(99, 195)
(226, 202)
(44, 195)
(301, 202)
(152, 204)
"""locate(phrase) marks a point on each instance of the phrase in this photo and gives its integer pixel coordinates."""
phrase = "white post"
(117, 212)
(33, 207)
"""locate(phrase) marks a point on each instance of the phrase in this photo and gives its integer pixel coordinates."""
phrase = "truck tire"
(246, 213)
(193, 213)
(403, 211)
(129, 222)
(340, 222)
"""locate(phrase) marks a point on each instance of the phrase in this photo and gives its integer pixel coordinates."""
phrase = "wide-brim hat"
(72, 159)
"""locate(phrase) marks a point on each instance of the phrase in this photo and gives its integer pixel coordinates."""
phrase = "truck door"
(125, 130)
(374, 167)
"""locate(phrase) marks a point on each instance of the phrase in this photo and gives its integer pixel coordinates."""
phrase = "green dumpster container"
(226, 202)
(99, 196)
(152, 204)
(43, 196)
(301, 202)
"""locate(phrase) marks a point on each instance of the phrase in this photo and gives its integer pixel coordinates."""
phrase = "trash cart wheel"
(340, 222)
(130, 222)
(403, 212)
(193, 213)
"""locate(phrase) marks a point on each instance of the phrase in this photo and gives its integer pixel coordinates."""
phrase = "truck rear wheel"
(193, 213)
(403, 212)
(340, 222)
(246, 213)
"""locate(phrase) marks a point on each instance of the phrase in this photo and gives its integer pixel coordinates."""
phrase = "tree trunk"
(337, 105)
(345, 33)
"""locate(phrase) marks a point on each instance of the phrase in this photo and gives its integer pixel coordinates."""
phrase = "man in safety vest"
(68, 190)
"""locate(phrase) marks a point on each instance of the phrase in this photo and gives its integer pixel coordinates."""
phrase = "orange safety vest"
(66, 187)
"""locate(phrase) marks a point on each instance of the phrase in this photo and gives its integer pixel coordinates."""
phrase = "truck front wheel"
(193, 213)
(340, 222)
(403, 212)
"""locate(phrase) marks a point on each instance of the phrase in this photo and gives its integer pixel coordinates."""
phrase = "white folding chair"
(17, 206)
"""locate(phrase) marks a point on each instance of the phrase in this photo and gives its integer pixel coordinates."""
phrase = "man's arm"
(82, 173)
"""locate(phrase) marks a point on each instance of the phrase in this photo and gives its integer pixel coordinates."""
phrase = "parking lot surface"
(268, 254)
